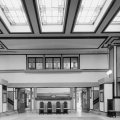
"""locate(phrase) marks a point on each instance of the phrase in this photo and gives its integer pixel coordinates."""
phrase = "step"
(98, 112)
(8, 113)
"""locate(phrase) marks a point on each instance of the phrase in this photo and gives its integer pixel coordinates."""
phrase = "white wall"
(117, 104)
(15, 102)
(0, 98)
(12, 62)
(108, 94)
(94, 61)
(14, 99)
(53, 77)
(4, 107)
(91, 103)
(91, 99)
(101, 106)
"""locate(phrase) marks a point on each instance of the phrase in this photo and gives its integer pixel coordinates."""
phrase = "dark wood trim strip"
(58, 37)
(3, 45)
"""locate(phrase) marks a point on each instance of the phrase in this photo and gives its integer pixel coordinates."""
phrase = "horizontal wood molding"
(54, 85)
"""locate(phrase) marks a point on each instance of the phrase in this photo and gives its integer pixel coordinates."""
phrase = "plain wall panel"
(117, 104)
(101, 106)
(108, 94)
(12, 62)
(53, 77)
(4, 107)
(94, 61)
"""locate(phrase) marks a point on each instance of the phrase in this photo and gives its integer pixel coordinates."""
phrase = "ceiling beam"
(3, 29)
(32, 15)
(71, 15)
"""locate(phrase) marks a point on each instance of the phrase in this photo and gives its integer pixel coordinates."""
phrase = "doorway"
(21, 100)
(24, 99)
(27, 99)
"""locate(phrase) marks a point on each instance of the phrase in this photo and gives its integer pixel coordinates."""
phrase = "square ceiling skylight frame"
(53, 28)
(11, 26)
(113, 27)
(93, 26)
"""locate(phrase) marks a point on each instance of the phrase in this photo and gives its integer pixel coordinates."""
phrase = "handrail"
(10, 101)
(96, 101)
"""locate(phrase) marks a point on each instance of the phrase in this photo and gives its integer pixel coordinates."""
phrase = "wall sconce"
(109, 72)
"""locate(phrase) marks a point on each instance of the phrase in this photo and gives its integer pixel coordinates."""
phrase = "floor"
(71, 116)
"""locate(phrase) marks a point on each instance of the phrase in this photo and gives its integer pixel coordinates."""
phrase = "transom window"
(116, 20)
(35, 63)
(14, 12)
(52, 63)
(89, 11)
(70, 63)
(66, 63)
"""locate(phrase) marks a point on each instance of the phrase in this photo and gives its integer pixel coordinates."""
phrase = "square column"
(75, 99)
(35, 96)
(30, 99)
(71, 102)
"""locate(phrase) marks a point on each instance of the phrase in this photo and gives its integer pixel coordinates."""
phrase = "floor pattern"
(60, 118)
(70, 116)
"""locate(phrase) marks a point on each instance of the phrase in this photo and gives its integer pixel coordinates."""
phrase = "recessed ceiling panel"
(114, 25)
(13, 15)
(90, 14)
(53, 43)
(51, 15)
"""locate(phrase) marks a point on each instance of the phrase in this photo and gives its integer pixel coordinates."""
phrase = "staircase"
(96, 101)
(10, 105)
(96, 108)
(10, 102)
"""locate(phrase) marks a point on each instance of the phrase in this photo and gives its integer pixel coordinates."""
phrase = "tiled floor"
(70, 116)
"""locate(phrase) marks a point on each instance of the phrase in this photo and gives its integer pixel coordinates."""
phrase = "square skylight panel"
(14, 12)
(114, 25)
(52, 14)
(89, 11)
(116, 20)
(90, 14)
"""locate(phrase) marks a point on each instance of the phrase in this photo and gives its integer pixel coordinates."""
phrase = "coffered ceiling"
(58, 26)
